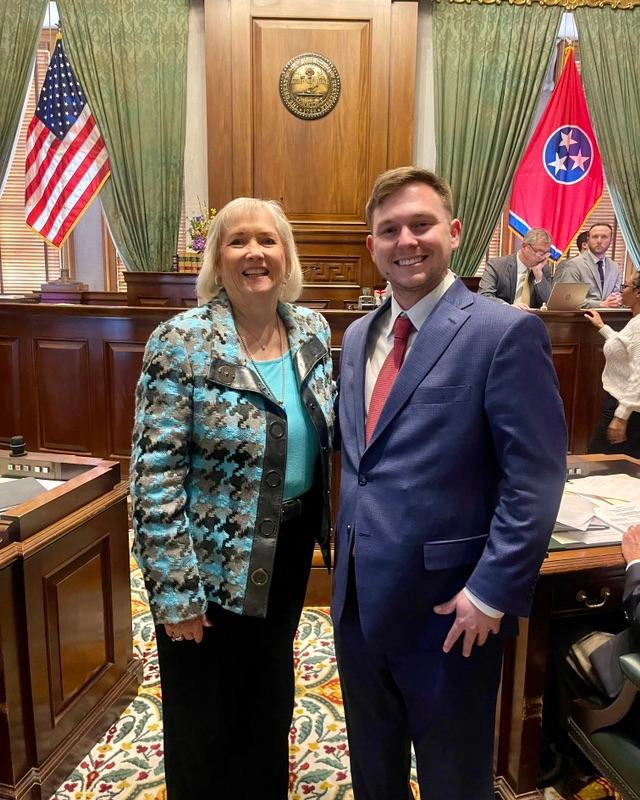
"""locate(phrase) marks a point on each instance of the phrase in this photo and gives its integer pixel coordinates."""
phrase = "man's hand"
(522, 306)
(617, 430)
(613, 301)
(475, 625)
(537, 270)
(189, 630)
(631, 543)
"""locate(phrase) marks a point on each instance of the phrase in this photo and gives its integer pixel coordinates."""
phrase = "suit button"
(276, 429)
(273, 479)
(259, 577)
(362, 480)
(267, 527)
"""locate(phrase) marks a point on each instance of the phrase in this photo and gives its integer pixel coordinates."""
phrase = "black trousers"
(227, 703)
(599, 442)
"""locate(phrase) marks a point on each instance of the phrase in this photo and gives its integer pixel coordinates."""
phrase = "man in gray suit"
(522, 279)
(593, 267)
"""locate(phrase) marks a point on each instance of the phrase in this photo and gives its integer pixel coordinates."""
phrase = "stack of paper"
(598, 509)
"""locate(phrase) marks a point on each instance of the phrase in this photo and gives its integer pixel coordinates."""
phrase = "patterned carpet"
(127, 762)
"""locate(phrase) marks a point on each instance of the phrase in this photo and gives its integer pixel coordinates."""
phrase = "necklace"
(255, 366)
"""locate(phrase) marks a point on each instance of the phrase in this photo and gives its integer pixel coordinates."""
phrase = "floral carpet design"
(126, 764)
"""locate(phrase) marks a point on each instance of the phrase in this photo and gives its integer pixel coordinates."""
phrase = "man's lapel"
(593, 267)
(610, 277)
(512, 277)
(435, 336)
(359, 349)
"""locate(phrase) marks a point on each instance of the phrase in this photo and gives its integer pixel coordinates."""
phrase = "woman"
(618, 430)
(230, 488)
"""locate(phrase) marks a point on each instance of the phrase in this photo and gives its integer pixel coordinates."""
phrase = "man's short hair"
(582, 240)
(535, 235)
(600, 225)
(392, 180)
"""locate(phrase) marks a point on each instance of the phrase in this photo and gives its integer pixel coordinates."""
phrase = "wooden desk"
(66, 654)
(46, 349)
(564, 574)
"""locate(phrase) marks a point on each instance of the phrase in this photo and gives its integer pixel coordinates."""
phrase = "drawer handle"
(583, 597)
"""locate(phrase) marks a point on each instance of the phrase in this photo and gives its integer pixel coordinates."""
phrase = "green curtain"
(20, 26)
(610, 62)
(489, 65)
(130, 58)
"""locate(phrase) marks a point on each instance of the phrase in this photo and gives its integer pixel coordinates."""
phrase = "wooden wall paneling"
(70, 588)
(62, 383)
(10, 383)
(402, 83)
(78, 634)
(316, 168)
(566, 362)
(16, 725)
(123, 362)
(317, 245)
(219, 99)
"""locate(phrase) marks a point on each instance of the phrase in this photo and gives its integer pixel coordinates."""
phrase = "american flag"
(66, 161)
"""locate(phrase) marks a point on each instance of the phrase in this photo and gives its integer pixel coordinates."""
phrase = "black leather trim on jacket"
(267, 527)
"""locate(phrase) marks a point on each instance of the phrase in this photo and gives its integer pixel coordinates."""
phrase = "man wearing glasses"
(522, 279)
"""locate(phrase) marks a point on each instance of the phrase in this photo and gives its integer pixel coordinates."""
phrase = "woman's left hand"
(189, 630)
(617, 430)
(594, 318)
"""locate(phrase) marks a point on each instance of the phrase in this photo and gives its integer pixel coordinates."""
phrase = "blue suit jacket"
(461, 481)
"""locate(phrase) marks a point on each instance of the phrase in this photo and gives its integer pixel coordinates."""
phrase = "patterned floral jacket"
(208, 460)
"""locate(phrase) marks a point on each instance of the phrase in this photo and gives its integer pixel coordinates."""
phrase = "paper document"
(620, 517)
(615, 487)
(575, 511)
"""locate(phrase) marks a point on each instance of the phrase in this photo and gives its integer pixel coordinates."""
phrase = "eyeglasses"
(539, 253)
(629, 286)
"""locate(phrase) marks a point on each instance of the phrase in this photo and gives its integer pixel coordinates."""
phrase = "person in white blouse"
(618, 429)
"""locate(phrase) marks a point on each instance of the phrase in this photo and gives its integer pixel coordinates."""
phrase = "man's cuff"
(633, 561)
(488, 610)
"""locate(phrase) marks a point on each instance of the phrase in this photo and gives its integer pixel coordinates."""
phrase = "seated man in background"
(522, 279)
(582, 242)
(593, 267)
(594, 656)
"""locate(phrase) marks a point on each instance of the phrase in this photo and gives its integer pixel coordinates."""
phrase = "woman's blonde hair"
(207, 286)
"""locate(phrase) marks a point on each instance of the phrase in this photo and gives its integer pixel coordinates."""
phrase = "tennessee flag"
(560, 178)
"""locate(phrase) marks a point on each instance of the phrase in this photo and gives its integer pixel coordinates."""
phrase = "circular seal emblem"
(568, 155)
(309, 86)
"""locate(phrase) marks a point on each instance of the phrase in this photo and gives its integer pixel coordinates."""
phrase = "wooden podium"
(66, 663)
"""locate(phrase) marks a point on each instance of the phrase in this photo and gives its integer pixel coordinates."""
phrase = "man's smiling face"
(413, 237)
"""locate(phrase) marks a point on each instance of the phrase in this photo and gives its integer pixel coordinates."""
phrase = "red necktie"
(387, 375)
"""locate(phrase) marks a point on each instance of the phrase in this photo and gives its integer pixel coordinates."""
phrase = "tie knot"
(402, 328)
(600, 263)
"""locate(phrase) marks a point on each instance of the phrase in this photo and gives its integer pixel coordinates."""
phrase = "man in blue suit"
(453, 464)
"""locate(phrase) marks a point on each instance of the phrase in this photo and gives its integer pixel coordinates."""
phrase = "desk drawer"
(588, 592)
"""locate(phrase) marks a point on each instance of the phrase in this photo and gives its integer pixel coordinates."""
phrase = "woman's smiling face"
(252, 259)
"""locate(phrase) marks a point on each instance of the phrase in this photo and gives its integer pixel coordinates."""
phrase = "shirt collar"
(420, 310)
(522, 267)
(595, 258)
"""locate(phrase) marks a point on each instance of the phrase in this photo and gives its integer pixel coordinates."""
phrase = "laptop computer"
(567, 296)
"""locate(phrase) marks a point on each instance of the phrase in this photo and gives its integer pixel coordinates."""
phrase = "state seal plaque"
(309, 86)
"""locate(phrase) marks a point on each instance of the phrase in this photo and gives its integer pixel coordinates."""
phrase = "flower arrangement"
(199, 227)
